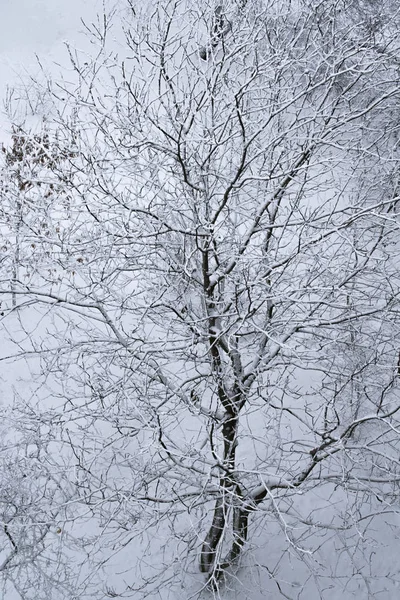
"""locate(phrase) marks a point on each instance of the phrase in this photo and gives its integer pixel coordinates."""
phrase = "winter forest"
(200, 307)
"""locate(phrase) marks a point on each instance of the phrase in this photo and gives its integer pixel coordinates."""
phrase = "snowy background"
(41, 27)
(38, 27)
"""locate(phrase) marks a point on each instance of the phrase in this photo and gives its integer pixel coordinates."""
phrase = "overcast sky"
(37, 26)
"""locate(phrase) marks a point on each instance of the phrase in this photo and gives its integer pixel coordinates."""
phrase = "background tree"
(217, 332)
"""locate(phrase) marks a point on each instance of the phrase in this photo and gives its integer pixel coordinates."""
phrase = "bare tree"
(219, 323)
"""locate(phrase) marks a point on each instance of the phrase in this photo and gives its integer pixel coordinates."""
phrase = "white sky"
(37, 26)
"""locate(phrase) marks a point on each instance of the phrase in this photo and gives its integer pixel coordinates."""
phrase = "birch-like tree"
(215, 327)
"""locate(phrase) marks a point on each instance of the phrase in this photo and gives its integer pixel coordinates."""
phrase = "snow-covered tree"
(213, 310)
